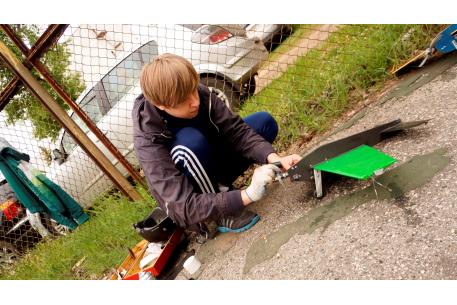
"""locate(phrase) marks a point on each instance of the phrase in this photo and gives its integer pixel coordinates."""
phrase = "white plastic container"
(192, 264)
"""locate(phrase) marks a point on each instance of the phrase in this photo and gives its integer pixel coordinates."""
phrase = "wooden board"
(132, 263)
(415, 59)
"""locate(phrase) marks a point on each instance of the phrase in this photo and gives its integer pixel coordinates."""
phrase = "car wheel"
(224, 91)
(279, 37)
(8, 253)
(249, 87)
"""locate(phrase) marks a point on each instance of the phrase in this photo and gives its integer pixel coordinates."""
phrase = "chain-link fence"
(305, 75)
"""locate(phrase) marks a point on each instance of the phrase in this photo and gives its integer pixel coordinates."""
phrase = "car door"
(109, 105)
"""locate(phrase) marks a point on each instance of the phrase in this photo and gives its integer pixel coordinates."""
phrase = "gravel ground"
(411, 237)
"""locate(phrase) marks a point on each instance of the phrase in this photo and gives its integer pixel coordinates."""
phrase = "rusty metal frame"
(47, 39)
(15, 66)
(44, 42)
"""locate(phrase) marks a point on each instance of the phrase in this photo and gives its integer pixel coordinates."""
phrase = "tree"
(24, 106)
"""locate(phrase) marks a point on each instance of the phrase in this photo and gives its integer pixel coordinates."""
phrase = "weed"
(326, 80)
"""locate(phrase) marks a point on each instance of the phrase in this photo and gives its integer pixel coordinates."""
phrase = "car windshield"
(120, 80)
(113, 87)
(90, 105)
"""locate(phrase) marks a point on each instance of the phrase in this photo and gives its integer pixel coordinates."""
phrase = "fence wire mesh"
(305, 75)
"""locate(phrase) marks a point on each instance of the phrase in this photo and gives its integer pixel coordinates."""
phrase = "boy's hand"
(286, 162)
(262, 176)
(289, 161)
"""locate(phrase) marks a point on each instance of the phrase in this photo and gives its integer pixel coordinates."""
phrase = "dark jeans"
(208, 165)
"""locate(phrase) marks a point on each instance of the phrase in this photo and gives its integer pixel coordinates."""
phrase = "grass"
(100, 244)
(305, 99)
(298, 32)
(326, 80)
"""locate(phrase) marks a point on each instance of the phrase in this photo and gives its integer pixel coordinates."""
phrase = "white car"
(226, 60)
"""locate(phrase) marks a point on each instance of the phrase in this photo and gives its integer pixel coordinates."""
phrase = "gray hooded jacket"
(171, 188)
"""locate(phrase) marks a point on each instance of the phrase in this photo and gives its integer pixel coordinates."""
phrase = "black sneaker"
(237, 223)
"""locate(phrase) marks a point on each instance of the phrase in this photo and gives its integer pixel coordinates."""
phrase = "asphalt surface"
(407, 232)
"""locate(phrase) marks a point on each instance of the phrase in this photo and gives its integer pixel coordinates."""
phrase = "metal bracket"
(318, 182)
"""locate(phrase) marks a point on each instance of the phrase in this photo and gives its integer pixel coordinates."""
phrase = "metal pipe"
(60, 115)
(51, 35)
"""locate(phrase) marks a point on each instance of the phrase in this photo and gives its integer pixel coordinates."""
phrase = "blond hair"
(168, 79)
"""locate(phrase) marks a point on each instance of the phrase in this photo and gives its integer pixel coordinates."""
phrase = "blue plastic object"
(245, 228)
(446, 41)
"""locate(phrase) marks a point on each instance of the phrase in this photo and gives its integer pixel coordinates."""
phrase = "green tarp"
(35, 191)
(359, 163)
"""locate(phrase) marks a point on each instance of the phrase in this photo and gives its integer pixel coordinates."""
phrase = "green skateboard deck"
(359, 163)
